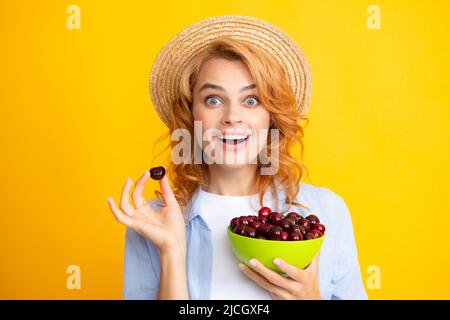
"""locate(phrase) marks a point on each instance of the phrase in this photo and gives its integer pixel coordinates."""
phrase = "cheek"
(202, 114)
(259, 119)
(208, 124)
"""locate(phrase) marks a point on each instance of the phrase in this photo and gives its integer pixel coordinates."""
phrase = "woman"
(238, 77)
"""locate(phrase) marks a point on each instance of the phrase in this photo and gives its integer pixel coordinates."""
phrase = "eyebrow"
(215, 86)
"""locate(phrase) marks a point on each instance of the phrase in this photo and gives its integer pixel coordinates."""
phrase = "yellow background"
(76, 120)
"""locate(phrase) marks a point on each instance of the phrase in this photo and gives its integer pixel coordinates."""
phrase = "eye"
(213, 99)
(253, 101)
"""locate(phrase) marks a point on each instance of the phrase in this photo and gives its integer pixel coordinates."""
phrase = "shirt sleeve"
(141, 268)
(347, 275)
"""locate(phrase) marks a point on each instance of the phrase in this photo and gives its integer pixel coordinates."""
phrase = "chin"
(237, 165)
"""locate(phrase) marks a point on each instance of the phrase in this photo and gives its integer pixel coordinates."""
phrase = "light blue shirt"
(339, 272)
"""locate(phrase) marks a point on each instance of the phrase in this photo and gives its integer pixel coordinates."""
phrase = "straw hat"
(172, 58)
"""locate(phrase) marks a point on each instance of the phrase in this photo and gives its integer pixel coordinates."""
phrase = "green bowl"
(297, 253)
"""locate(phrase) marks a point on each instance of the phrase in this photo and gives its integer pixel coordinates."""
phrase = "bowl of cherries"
(271, 235)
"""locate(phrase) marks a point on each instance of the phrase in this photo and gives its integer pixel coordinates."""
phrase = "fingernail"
(241, 266)
(276, 261)
(252, 262)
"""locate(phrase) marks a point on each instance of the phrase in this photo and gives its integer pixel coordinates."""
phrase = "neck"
(232, 181)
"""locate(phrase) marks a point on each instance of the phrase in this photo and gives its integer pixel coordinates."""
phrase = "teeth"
(233, 137)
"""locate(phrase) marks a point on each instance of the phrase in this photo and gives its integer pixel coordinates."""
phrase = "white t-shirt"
(228, 281)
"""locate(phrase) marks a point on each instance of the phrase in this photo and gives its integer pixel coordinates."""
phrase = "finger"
(314, 265)
(275, 297)
(292, 271)
(272, 276)
(166, 190)
(120, 216)
(138, 192)
(125, 204)
(262, 282)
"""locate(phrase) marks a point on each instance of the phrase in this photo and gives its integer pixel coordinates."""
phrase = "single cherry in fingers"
(157, 173)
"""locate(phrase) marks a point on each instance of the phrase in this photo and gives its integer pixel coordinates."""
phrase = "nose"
(232, 116)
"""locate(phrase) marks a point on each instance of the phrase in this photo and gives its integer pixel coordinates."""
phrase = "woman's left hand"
(301, 284)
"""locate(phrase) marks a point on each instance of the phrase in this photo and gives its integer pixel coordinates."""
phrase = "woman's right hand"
(165, 229)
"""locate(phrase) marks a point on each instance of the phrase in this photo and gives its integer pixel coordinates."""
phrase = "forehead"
(225, 73)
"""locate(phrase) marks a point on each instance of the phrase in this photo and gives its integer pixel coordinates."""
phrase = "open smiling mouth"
(233, 139)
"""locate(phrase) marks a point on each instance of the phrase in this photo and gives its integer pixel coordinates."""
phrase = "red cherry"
(292, 218)
(284, 235)
(276, 238)
(255, 224)
(275, 233)
(304, 230)
(316, 233)
(297, 229)
(283, 224)
(157, 173)
(309, 236)
(234, 223)
(319, 227)
(249, 232)
(304, 223)
(293, 214)
(313, 219)
(291, 222)
(264, 212)
(243, 220)
(263, 220)
(286, 224)
(275, 217)
(295, 236)
(239, 229)
(264, 230)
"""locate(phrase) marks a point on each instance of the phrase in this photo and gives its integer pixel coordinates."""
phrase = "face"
(233, 121)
